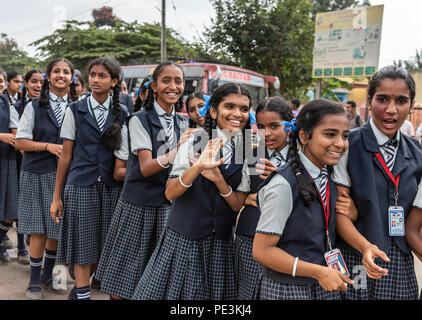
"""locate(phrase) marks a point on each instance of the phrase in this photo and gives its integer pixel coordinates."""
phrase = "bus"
(205, 77)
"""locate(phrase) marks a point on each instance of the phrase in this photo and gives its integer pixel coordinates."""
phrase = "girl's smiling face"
(169, 86)
(271, 130)
(390, 105)
(60, 77)
(34, 85)
(194, 105)
(328, 141)
(232, 113)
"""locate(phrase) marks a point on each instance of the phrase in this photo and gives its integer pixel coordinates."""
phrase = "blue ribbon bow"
(203, 111)
(290, 125)
(22, 86)
(75, 80)
(252, 118)
(44, 77)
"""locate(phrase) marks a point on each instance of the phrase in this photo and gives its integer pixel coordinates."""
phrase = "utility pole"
(163, 30)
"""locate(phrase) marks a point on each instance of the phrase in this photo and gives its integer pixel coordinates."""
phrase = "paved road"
(14, 279)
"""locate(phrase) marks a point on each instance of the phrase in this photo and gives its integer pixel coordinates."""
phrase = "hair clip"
(252, 118)
(290, 125)
(203, 111)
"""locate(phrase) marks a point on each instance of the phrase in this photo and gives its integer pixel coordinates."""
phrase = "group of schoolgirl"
(173, 231)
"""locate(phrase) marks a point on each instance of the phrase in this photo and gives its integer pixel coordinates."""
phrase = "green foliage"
(273, 37)
(81, 42)
(12, 58)
(334, 5)
(414, 65)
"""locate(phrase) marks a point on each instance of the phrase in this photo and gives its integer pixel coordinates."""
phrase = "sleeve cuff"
(269, 233)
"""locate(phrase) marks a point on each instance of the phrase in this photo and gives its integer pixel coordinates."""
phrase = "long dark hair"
(142, 89)
(149, 101)
(113, 136)
(27, 77)
(198, 95)
(278, 105)
(45, 90)
(308, 118)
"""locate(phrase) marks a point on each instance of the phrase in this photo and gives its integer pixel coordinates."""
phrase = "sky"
(31, 20)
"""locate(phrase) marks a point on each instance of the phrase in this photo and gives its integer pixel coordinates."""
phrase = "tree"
(272, 37)
(104, 17)
(13, 58)
(334, 5)
(81, 42)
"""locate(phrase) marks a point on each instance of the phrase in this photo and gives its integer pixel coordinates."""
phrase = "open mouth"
(335, 155)
(390, 123)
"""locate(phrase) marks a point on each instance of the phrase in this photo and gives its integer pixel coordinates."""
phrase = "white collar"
(53, 97)
(312, 169)
(283, 152)
(381, 137)
(95, 103)
(160, 111)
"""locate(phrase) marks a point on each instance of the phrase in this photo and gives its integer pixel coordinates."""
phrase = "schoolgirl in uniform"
(194, 258)
(297, 223)
(385, 187)
(3, 81)
(142, 210)
(14, 81)
(194, 102)
(92, 132)
(270, 115)
(39, 136)
(79, 83)
(9, 120)
(33, 81)
(141, 93)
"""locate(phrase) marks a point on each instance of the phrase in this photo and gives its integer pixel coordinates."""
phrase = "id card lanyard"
(395, 180)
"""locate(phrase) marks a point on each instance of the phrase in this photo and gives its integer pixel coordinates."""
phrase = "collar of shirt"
(283, 152)
(220, 134)
(53, 97)
(95, 104)
(160, 111)
(313, 170)
(381, 137)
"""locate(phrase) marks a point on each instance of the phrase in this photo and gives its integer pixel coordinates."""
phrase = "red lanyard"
(395, 180)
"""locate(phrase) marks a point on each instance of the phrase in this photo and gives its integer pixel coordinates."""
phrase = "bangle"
(294, 267)
(226, 195)
(181, 182)
(164, 167)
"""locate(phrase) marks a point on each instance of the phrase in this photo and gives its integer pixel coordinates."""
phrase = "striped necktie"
(230, 151)
(101, 118)
(169, 128)
(277, 155)
(390, 149)
(57, 109)
(322, 186)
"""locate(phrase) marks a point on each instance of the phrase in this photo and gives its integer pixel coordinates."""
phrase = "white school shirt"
(341, 177)
(27, 121)
(182, 163)
(276, 200)
(13, 117)
(139, 137)
(68, 130)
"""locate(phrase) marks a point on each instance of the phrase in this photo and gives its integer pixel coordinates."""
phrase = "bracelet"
(46, 146)
(181, 182)
(164, 167)
(294, 267)
(226, 195)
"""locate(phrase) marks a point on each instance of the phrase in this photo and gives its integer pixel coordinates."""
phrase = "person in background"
(3, 83)
(295, 104)
(355, 120)
(408, 129)
(14, 81)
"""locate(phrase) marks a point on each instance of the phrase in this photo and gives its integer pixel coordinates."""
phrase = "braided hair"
(113, 136)
(142, 89)
(26, 79)
(45, 90)
(278, 105)
(216, 98)
(308, 118)
(149, 101)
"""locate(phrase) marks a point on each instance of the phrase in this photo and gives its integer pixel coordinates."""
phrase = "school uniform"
(91, 193)
(194, 257)
(9, 119)
(40, 123)
(19, 106)
(373, 193)
(126, 99)
(248, 271)
(302, 231)
(141, 213)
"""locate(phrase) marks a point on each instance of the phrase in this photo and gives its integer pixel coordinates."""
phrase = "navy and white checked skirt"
(8, 189)
(35, 198)
(189, 269)
(274, 290)
(134, 232)
(399, 284)
(248, 271)
(87, 212)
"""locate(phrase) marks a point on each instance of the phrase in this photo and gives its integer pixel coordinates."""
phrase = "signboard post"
(347, 42)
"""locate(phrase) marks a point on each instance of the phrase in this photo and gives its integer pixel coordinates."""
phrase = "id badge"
(396, 221)
(335, 260)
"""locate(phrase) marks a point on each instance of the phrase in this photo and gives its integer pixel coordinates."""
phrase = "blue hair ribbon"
(203, 111)
(22, 86)
(137, 92)
(75, 79)
(44, 77)
(146, 84)
(252, 118)
(290, 125)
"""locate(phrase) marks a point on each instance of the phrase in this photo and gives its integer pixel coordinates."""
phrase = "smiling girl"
(194, 102)
(93, 130)
(385, 187)
(38, 135)
(195, 254)
(297, 223)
